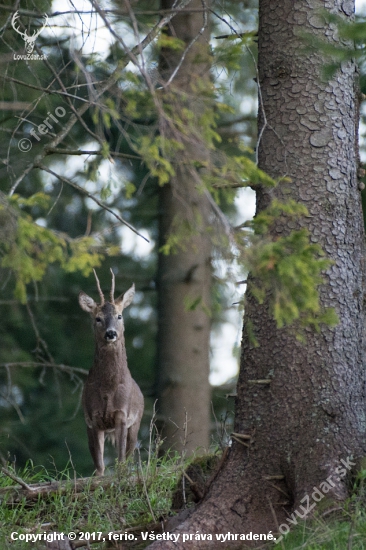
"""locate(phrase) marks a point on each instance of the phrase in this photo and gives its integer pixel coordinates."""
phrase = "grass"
(341, 534)
(137, 495)
(140, 494)
(344, 529)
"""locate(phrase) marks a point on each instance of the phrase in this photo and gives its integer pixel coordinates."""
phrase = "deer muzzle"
(110, 336)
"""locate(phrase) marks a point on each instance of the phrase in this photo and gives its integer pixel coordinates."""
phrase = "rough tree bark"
(185, 276)
(312, 413)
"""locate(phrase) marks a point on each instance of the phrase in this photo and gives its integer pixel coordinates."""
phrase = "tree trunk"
(311, 415)
(184, 276)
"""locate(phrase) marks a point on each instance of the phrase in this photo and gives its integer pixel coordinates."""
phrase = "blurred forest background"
(171, 120)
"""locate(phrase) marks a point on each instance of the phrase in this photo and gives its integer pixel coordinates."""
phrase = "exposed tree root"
(244, 504)
(231, 507)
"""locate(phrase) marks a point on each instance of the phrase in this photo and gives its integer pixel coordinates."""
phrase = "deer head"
(107, 316)
(29, 40)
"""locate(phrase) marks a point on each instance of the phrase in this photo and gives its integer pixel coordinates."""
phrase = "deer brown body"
(112, 401)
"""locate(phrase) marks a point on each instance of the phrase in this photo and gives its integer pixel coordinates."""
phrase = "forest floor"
(137, 501)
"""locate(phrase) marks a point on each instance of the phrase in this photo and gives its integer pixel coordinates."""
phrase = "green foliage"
(265, 219)
(353, 31)
(289, 268)
(139, 103)
(180, 237)
(234, 172)
(105, 149)
(207, 124)
(33, 247)
(169, 42)
(228, 54)
(83, 256)
(155, 151)
(351, 45)
(130, 189)
(192, 302)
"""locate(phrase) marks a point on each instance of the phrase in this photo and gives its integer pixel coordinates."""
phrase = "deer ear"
(125, 299)
(86, 303)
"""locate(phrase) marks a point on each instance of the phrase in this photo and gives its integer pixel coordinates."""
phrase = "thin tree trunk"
(184, 276)
(184, 335)
(311, 415)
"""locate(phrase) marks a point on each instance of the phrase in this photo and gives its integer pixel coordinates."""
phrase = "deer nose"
(110, 335)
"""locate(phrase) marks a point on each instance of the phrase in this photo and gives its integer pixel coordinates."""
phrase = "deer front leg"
(96, 448)
(121, 434)
(132, 438)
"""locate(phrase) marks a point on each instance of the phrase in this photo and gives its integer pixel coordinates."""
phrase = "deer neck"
(110, 362)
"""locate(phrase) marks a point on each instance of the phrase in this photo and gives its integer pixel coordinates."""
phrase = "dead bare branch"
(77, 114)
(14, 105)
(17, 479)
(92, 197)
(13, 494)
(35, 364)
(59, 151)
(184, 54)
(41, 89)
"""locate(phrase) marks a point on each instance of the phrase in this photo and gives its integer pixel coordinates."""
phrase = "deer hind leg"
(132, 438)
(96, 448)
(121, 435)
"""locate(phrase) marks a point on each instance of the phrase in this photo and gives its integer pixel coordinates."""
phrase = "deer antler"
(13, 21)
(99, 289)
(112, 287)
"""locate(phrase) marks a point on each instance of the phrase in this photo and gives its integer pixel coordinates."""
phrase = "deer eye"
(98, 319)
(119, 316)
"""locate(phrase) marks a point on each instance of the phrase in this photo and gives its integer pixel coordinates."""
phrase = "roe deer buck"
(112, 401)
